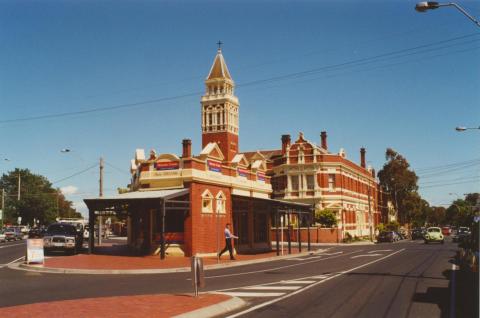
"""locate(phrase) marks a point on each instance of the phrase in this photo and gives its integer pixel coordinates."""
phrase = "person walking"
(228, 242)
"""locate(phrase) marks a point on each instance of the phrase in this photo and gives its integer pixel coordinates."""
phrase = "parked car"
(418, 233)
(36, 233)
(13, 234)
(446, 230)
(388, 236)
(434, 234)
(461, 234)
(2, 237)
(62, 237)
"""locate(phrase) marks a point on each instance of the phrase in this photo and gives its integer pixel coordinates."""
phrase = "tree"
(38, 199)
(462, 211)
(401, 182)
(327, 218)
(436, 216)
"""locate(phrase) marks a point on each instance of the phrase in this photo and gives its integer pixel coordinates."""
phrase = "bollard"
(198, 276)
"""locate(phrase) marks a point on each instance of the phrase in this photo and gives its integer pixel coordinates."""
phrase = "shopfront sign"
(261, 176)
(214, 166)
(242, 172)
(167, 165)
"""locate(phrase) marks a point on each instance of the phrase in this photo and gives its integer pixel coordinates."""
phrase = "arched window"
(207, 202)
(221, 203)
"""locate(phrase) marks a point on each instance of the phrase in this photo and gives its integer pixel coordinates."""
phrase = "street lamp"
(430, 5)
(461, 128)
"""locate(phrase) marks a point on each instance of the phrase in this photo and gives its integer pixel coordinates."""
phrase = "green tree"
(38, 199)
(326, 218)
(401, 182)
(436, 216)
(462, 211)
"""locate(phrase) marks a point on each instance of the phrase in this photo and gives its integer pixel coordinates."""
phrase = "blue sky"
(373, 74)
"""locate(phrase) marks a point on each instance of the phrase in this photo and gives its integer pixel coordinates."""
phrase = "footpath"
(116, 259)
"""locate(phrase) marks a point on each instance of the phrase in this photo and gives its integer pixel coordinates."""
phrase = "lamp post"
(431, 5)
(461, 128)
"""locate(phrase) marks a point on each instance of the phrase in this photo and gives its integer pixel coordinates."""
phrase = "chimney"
(373, 173)
(187, 148)
(323, 137)
(285, 143)
(362, 157)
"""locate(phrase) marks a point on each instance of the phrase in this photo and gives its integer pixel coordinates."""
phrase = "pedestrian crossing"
(276, 289)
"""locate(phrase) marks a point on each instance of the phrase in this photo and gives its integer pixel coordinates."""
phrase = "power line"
(118, 169)
(351, 63)
(448, 165)
(76, 174)
(448, 184)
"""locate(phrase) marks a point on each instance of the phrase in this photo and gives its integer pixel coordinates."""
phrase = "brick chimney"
(362, 157)
(186, 148)
(323, 137)
(373, 173)
(285, 143)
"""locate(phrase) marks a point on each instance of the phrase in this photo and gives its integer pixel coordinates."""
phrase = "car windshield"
(61, 229)
(434, 230)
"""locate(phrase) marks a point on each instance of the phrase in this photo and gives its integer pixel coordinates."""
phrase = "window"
(294, 180)
(221, 203)
(331, 182)
(207, 202)
(310, 182)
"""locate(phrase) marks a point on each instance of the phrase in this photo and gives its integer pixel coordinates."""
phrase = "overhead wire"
(76, 174)
(351, 63)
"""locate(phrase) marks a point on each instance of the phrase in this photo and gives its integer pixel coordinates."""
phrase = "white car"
(2, 237)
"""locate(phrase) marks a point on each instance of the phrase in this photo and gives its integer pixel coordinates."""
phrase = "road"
(404, 279)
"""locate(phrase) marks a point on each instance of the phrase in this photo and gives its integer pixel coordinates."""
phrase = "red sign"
(169, 165)
(242, 172)
(214, 166)
(261, 176)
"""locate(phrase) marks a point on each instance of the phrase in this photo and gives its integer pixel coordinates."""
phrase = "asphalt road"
(404, 279)
(11, 252)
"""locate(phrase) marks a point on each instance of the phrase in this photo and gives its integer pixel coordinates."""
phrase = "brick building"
(181, 203)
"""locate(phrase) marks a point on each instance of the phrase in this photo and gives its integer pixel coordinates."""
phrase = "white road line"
(319, 277)
(12, 245)
(311, 286)
(296, 259)
(273, 287)
(297, 282)
(280, 267)
(380, 251)
(366, 255)
(16, 260)
(249, 294)
(328, 254)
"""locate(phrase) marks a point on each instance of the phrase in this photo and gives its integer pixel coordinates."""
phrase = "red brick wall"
(201, 228)
(224, 141)
(317, 235)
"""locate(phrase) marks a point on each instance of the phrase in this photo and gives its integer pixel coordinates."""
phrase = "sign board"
(214, 166)
(167, 165)
(242, 172)
(261, 176)
(35, 251)
(19, 220)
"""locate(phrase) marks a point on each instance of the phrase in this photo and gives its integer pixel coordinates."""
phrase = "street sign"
(19, 220)
(35, 251)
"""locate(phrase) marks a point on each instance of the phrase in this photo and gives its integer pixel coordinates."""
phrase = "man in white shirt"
(228, 242)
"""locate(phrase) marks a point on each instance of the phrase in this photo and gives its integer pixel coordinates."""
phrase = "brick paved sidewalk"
(107, 261)
(158, 306)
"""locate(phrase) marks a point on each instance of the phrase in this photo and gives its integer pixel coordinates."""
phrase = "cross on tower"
(219, 43)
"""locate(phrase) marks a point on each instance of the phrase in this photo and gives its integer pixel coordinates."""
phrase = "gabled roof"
(267, 154)
(240, 159)
(219, 68)
(213, 151)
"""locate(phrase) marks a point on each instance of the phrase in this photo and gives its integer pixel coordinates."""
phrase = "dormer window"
(221, 203)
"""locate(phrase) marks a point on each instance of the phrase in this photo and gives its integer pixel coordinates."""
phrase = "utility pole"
(100, 194)
(19, 183)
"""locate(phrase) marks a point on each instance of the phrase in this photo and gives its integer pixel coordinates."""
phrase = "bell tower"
(220, 109)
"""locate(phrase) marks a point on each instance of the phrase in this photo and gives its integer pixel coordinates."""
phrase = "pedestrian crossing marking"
(252, 294)
(273, 287)
(298, 282)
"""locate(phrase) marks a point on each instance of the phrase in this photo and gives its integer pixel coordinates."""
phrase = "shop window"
(310, 182)
(294, 180)
(221, 203)
(207, 202)
(331, 182)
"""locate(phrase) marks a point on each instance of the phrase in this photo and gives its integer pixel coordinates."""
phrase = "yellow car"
(434, 234)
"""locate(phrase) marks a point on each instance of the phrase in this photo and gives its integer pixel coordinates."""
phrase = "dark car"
(462, 233)
(388, 236)
(36, 233)
(62, 237)
(417, 234)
